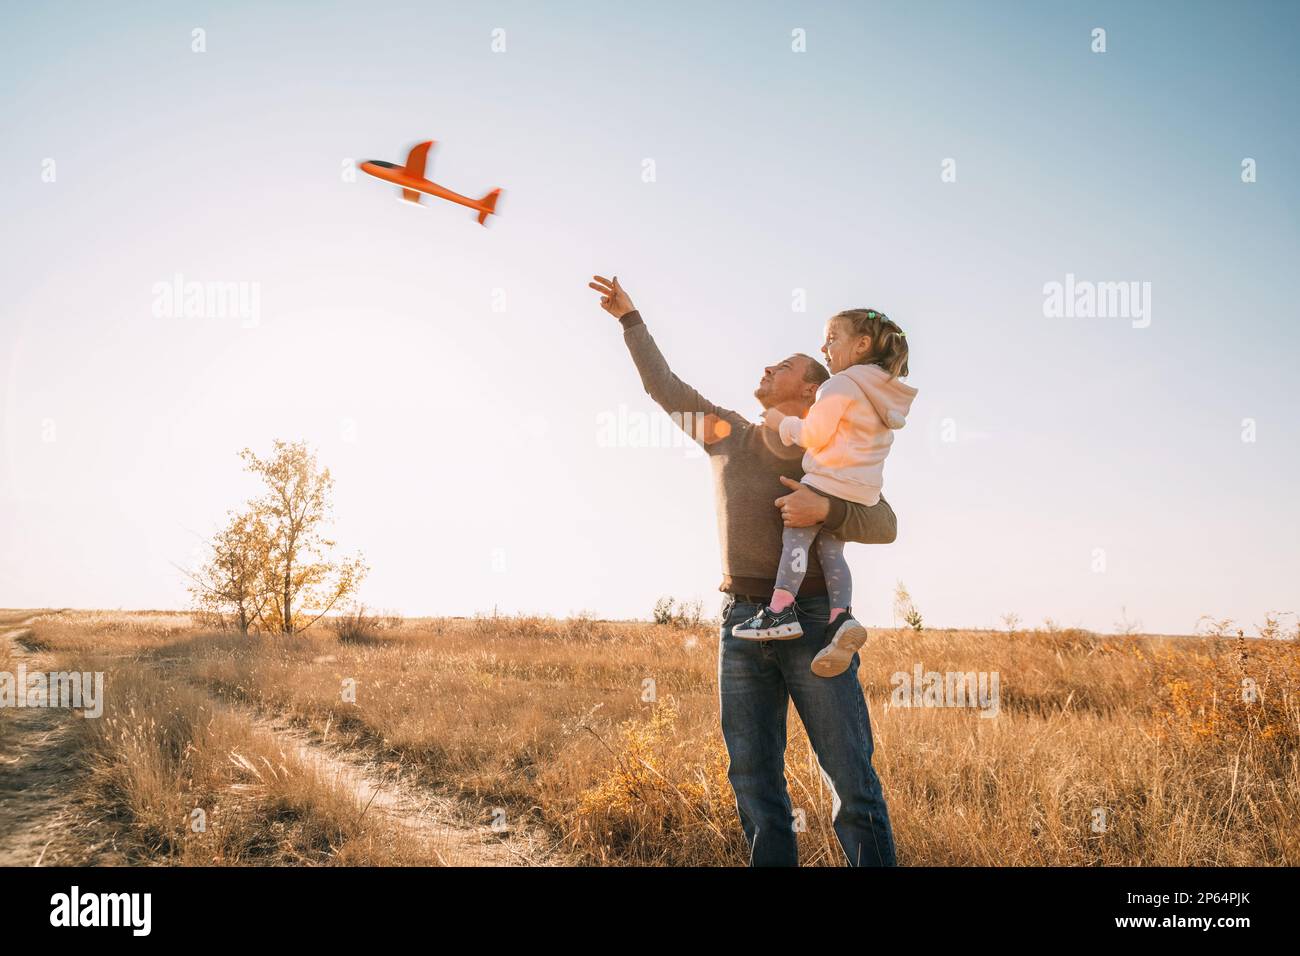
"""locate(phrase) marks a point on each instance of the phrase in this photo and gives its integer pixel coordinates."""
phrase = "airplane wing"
(417, 159)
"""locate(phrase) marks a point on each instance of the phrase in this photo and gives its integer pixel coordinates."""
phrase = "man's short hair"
(815, 372)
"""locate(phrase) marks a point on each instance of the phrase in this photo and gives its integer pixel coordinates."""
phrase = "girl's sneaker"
(847, 635)
(769, 625)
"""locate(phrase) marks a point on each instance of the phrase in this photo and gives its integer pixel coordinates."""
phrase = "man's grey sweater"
(748, 461)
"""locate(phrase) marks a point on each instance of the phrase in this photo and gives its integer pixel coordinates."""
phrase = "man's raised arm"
(661, 384)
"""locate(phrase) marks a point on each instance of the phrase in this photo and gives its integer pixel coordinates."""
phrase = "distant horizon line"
(640, 620)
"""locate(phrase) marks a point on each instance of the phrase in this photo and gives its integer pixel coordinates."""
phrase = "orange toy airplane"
(411, 178)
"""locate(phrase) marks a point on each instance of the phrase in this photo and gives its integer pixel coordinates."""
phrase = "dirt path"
(40, 825)
(390, 791)
(37, 761)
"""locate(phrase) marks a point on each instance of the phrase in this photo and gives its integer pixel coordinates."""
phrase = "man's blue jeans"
(756, 681)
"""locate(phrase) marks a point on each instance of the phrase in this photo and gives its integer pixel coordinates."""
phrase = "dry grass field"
(501, 741)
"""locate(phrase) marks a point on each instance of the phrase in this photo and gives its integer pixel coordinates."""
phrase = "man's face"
(785, 381)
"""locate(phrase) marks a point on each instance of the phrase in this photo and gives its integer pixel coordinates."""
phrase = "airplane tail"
(488, 206)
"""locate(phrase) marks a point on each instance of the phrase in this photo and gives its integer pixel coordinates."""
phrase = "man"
(757, 679)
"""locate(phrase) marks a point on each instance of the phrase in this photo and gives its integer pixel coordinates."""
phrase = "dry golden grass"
(8, 620)
(546, 719)
(163, 750)
(8, 665)
(109, 632)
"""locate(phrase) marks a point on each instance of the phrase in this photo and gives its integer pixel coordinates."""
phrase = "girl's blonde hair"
(888, 343)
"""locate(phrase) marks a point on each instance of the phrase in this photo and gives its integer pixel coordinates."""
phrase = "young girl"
(847, 432)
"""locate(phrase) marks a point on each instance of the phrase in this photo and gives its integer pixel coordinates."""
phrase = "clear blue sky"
(464, 441)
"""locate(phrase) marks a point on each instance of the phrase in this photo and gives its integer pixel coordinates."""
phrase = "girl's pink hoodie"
(848, 431)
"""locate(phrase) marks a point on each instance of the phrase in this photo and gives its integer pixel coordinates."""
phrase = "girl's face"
(842, 348)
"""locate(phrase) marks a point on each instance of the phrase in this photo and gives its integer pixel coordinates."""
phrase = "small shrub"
(1209, 626)
(358, 627)
(668, 611)
(1126, 626)
(1273, 628)
(905, 607)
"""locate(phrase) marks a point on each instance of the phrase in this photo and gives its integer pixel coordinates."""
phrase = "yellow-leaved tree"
(228, 589)
(271, 568)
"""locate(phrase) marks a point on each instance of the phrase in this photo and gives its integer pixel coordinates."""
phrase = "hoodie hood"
(890, 397)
